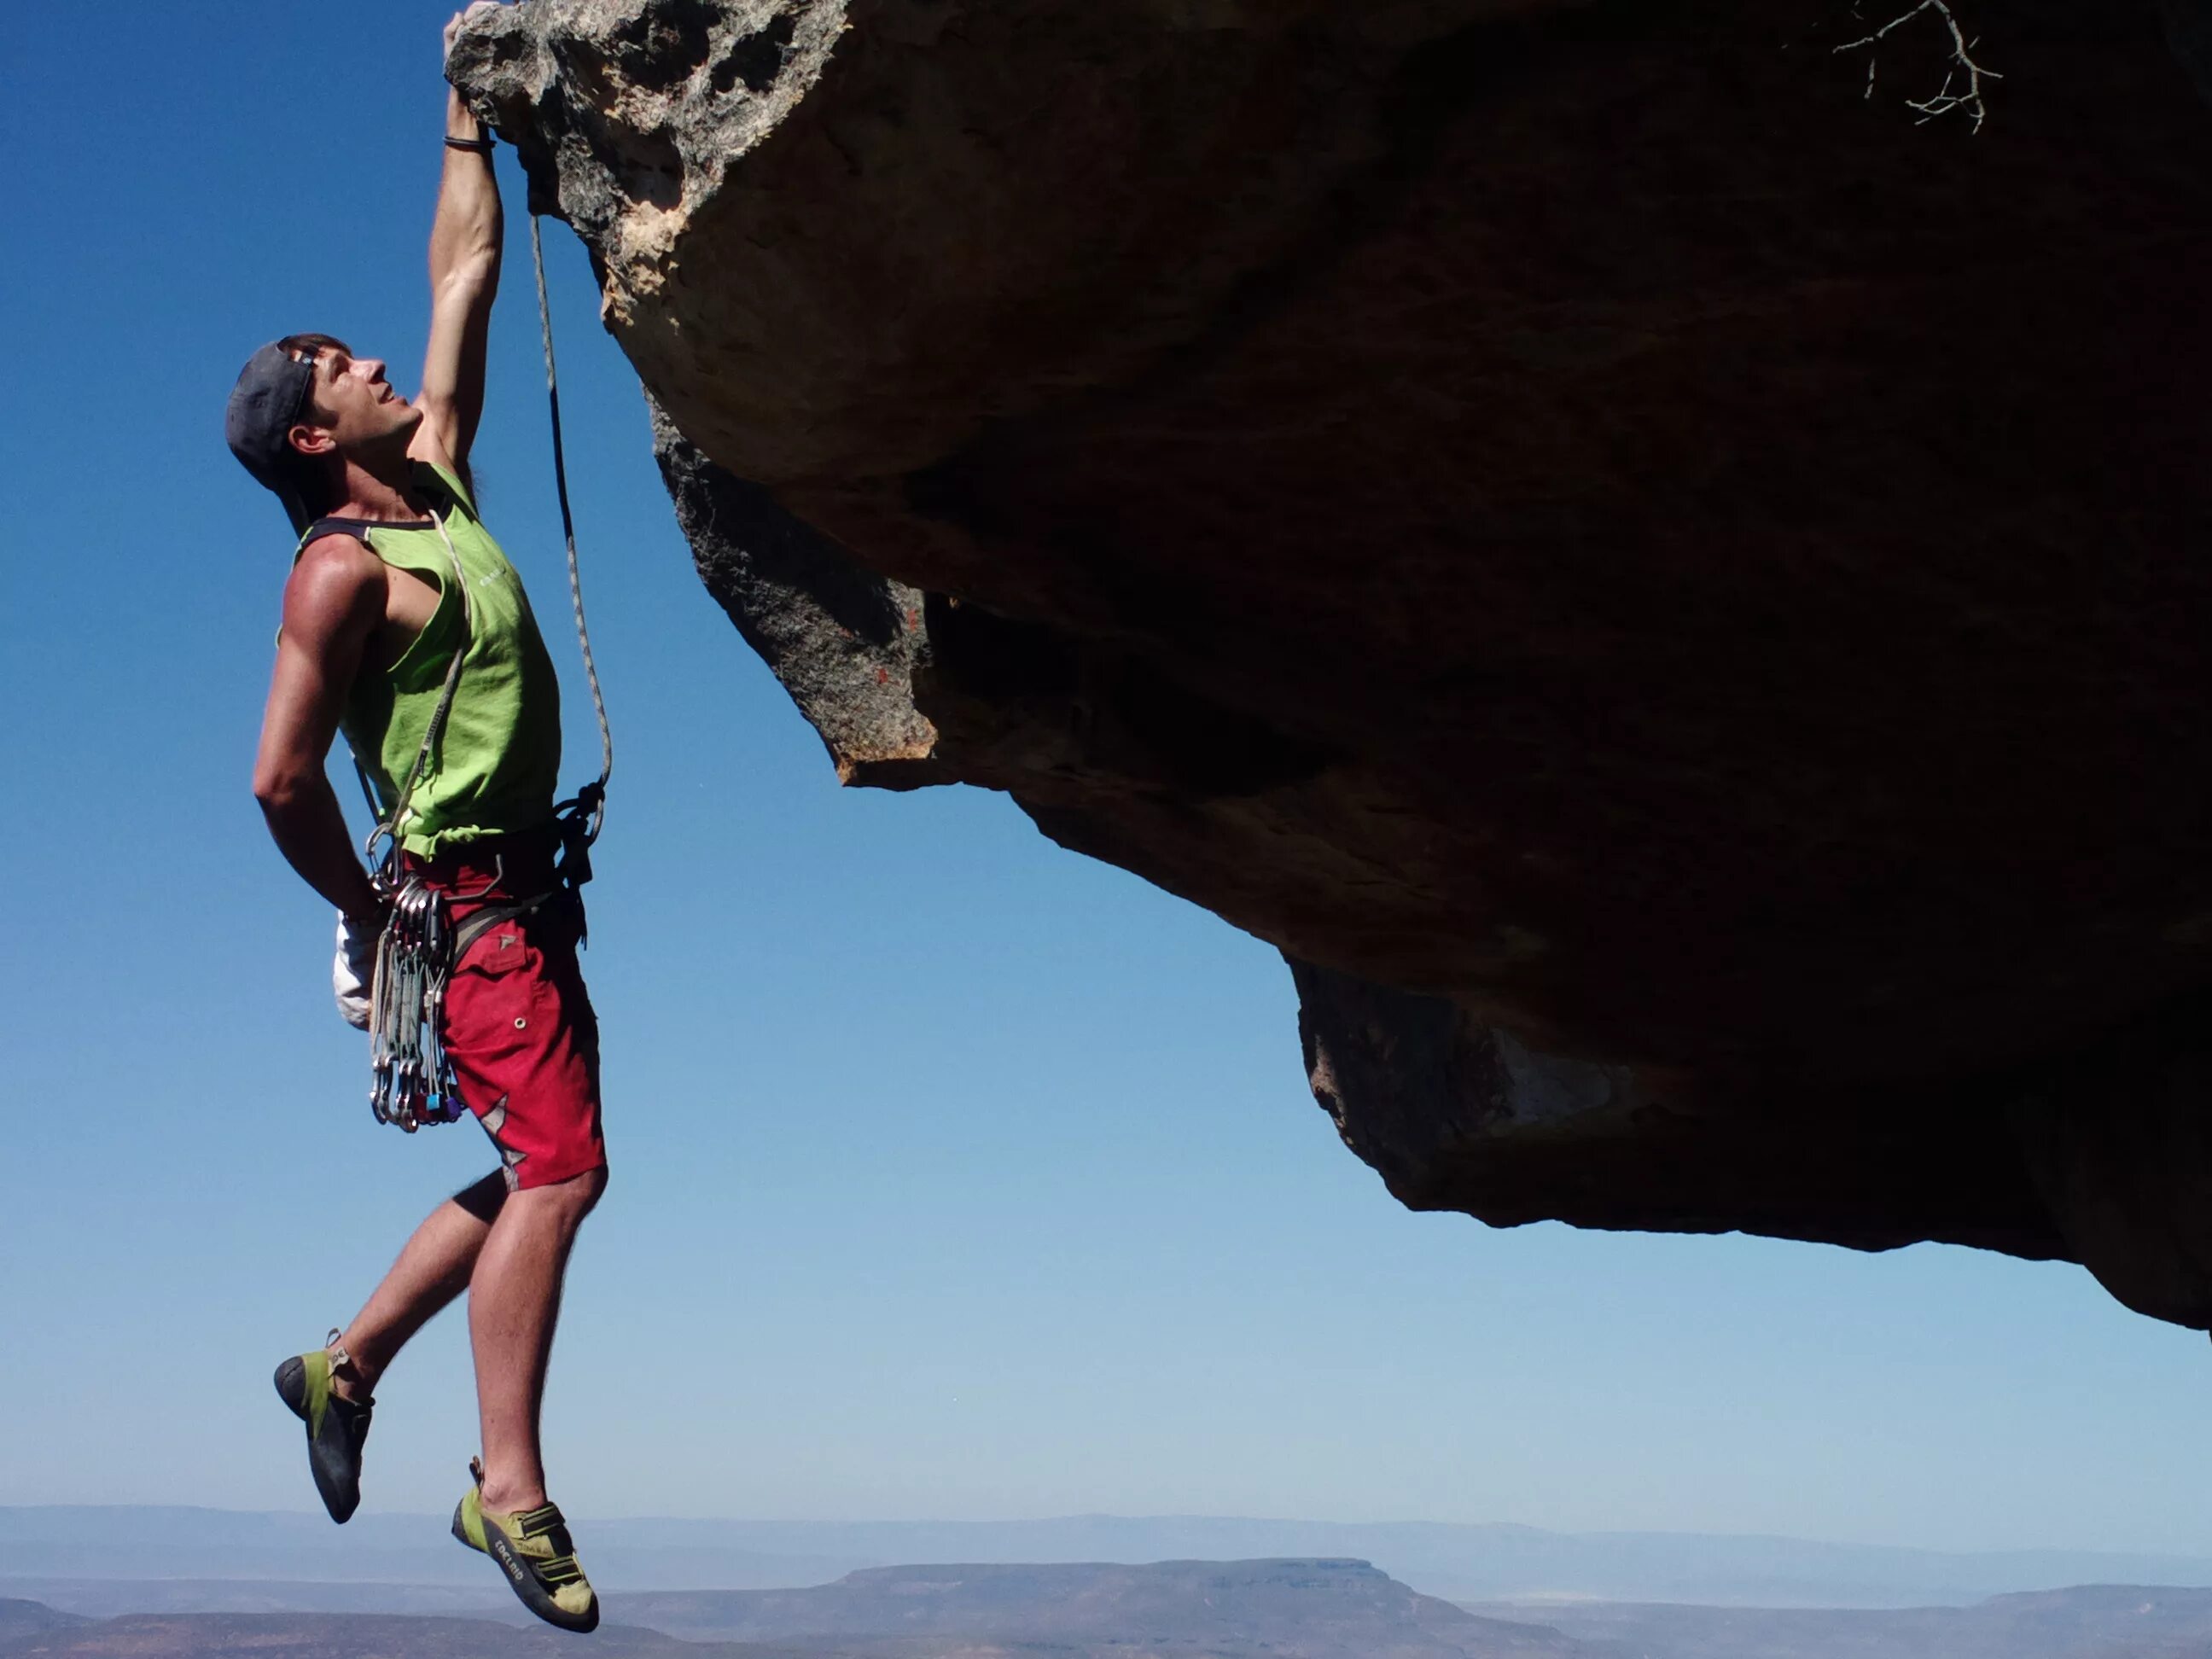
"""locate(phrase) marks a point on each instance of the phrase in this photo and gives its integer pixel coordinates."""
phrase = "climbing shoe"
(534, 1551)
(337, 1427)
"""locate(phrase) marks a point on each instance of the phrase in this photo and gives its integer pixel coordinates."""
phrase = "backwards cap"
(272, 391)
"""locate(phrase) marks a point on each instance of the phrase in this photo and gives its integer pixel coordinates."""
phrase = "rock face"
(1668, 588)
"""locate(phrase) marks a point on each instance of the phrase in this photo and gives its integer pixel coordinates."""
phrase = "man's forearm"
(464, 236)
(311, 832)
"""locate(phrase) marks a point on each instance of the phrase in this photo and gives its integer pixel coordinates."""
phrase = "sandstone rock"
(840, 638)
(1668, 588)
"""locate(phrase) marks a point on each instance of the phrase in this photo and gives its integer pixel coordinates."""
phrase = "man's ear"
(311, 439)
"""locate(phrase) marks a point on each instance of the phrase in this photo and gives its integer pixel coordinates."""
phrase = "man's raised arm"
(465, 245)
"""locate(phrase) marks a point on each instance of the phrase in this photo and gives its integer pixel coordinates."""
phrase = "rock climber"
(378, 488)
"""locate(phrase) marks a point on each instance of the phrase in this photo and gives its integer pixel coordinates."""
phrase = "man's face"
(353, 407)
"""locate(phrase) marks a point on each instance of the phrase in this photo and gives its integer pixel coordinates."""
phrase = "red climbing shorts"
(520, 1028)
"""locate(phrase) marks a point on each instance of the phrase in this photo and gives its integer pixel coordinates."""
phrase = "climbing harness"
(412, 1082)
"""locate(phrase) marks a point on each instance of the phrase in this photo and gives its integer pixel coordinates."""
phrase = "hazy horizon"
(1252, 1609)
(244, 1560)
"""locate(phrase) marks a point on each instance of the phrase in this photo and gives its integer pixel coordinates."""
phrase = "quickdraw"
(412, 1080)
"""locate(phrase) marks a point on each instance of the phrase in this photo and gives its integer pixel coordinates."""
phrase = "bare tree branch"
(1967, 97)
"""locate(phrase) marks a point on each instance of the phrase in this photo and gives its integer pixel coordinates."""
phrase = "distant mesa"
(1314, 1607)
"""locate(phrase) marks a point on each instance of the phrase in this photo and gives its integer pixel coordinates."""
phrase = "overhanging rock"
(1671, 590)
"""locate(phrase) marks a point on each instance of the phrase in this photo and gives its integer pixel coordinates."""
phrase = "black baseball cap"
(265, 404)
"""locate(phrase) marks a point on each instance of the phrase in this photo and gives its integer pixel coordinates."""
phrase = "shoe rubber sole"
(333, 1452)
(489, 1539)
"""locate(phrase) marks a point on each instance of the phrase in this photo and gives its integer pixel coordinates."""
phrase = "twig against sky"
(1967, 97)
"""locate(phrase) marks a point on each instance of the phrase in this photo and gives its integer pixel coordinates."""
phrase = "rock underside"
(1669, 587)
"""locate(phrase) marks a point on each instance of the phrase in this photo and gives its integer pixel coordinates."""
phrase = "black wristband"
(481, 146)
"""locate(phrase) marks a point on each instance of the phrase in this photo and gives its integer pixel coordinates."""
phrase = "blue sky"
(954, 1176)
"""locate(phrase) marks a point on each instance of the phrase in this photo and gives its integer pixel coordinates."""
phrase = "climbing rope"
(591, 800)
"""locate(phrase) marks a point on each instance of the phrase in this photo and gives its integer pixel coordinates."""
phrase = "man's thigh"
(524, 1046)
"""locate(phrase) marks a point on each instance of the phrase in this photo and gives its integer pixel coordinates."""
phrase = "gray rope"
(598, 807)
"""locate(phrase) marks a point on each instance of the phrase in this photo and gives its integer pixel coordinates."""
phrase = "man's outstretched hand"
(453, 25)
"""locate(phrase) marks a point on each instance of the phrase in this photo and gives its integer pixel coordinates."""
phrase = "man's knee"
(591, 1187)
(577, 1196)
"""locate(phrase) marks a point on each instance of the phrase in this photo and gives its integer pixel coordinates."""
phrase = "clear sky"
(954, 1176)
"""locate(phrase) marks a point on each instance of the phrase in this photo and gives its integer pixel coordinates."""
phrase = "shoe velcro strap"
(548, 1524)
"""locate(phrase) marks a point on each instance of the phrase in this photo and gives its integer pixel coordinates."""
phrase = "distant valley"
(351, 1636)
(1262, 1609)
(2090, 1622)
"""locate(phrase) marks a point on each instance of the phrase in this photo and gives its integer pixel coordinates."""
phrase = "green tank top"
(497, 767)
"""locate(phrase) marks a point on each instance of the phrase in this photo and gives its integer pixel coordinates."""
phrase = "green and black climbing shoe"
(337, 1427)
(534, 1551)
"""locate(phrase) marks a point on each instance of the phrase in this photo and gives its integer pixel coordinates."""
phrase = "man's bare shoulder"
(336, 583)
(333, 563)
